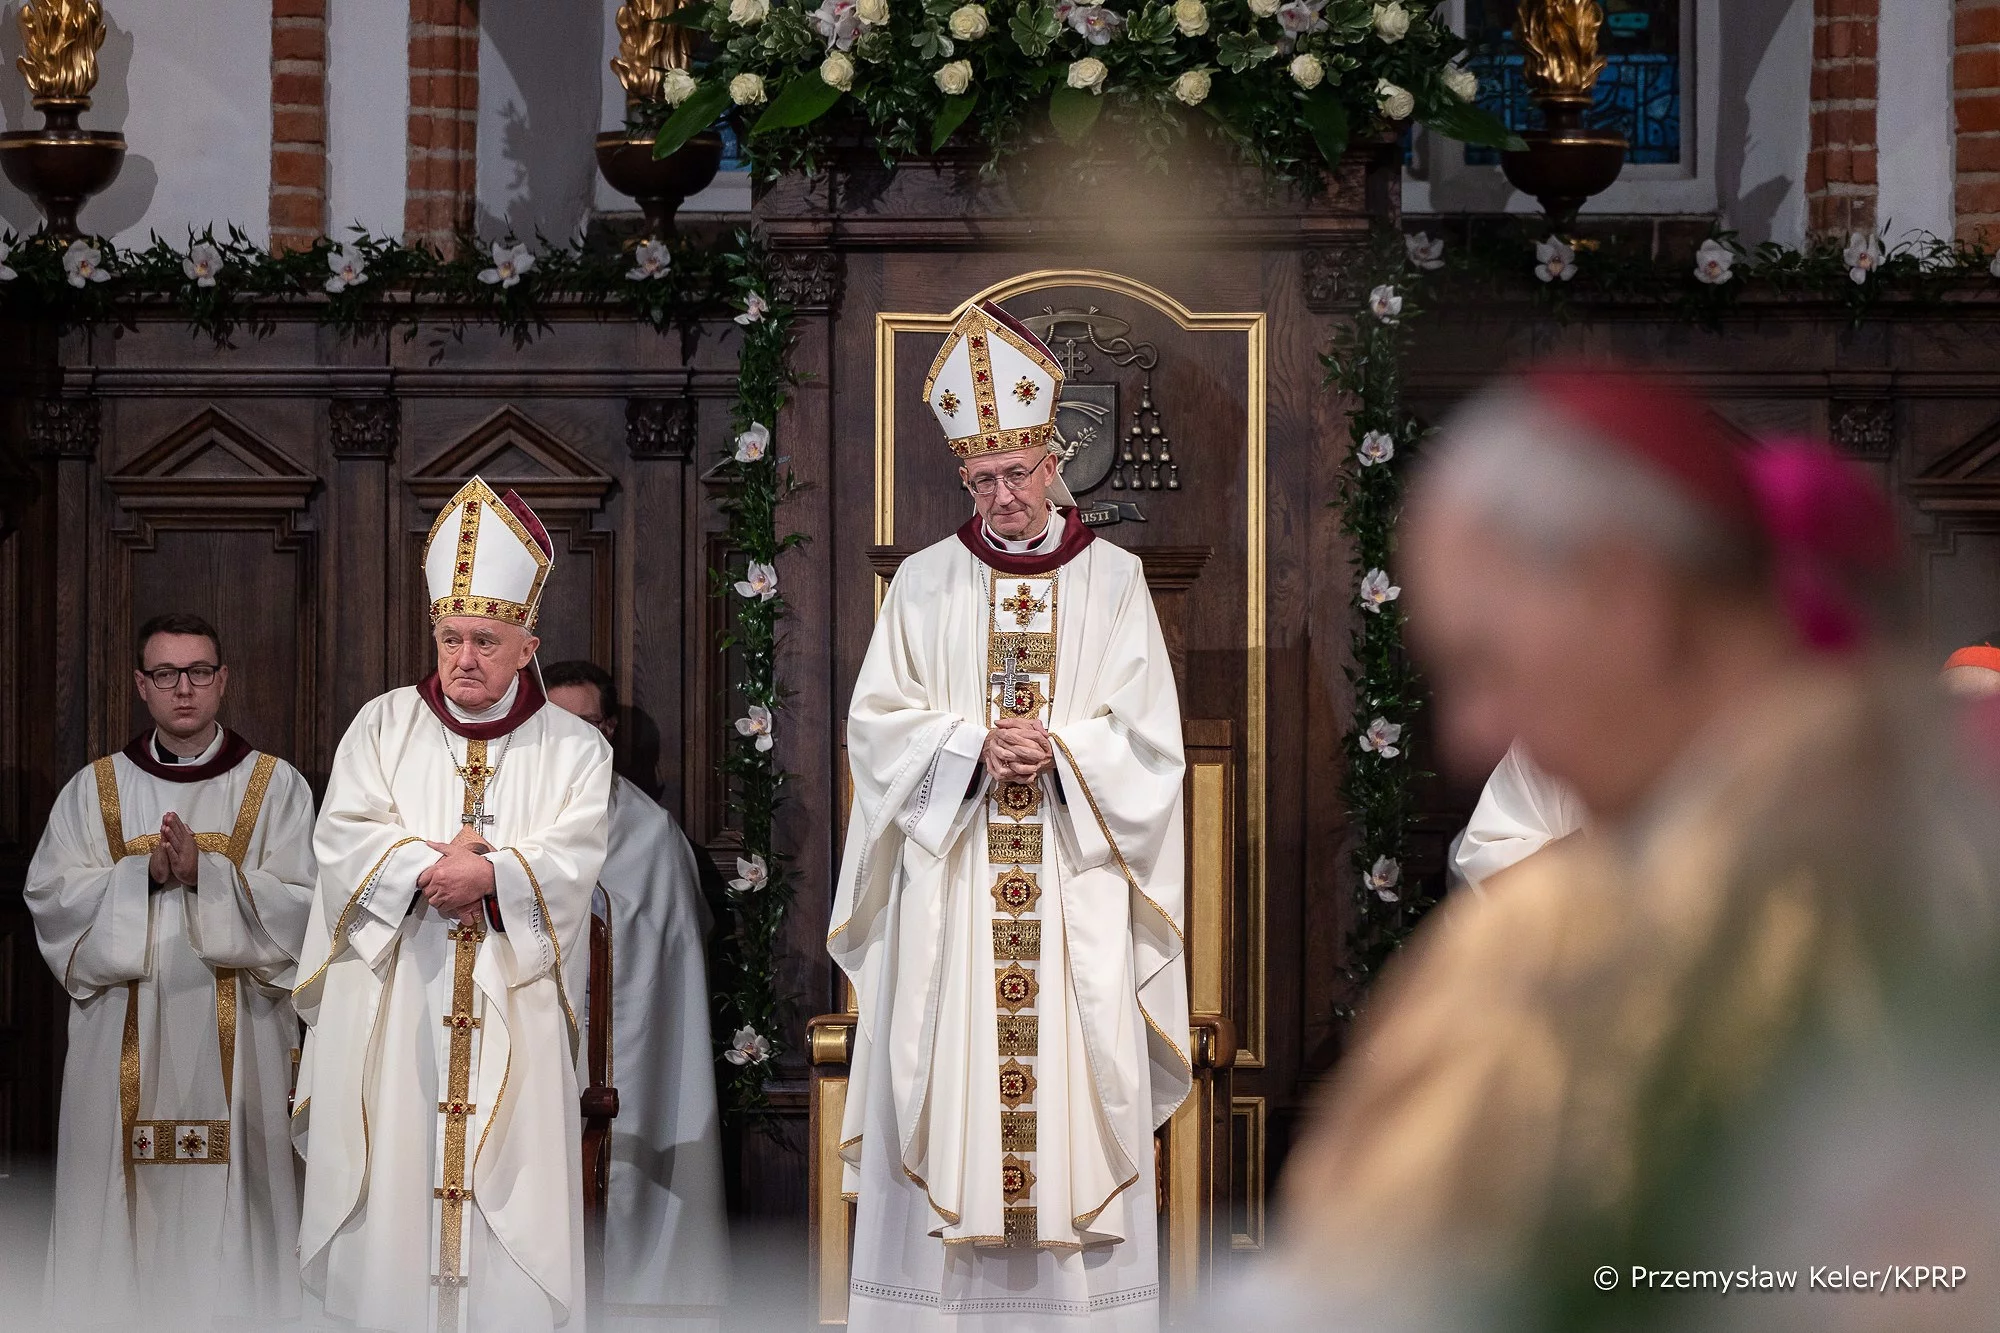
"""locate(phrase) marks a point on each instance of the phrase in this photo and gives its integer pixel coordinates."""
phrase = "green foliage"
(691, 117)
(801, 102)
(1073, 111)
(956, 109)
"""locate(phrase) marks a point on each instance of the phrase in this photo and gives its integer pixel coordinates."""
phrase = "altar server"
(461, 836)
(169, 897)
(1009, 904)
(666, 1235)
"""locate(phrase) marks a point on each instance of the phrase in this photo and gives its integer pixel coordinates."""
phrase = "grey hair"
(1557, 491)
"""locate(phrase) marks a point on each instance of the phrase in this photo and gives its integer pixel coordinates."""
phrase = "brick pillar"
(1840, 166)
(1976, 98)
(298, 123)
(444, 116)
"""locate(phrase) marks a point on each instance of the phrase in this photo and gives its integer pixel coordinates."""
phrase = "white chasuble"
(1015, 949)
(176, 1196)
(666, 1235)
(437, 1101)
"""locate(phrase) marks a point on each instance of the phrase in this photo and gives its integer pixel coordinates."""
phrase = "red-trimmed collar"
(528, 701)
(1075, 536)
(233, 751)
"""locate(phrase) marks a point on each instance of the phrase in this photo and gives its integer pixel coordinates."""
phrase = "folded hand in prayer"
(1018, 750)
(457, 882)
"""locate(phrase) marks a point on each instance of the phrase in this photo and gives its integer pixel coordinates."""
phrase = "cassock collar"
(232, 751)
(1075, 536)
(528, 701)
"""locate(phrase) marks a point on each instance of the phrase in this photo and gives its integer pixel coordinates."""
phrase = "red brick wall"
(444, 116)
(298, 123)
(1976, 98)
(1840, 165)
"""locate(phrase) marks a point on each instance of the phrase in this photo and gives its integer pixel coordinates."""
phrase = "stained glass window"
(1638, 94)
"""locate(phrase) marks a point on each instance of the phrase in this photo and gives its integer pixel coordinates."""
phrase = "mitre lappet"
(487, 555)
(994, 387)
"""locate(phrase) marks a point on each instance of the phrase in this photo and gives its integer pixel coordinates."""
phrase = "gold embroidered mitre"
(994, 385)
(487, 556)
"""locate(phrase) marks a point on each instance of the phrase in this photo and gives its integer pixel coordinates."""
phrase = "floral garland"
(1863, 273)
(1283, 81)
(746, 975)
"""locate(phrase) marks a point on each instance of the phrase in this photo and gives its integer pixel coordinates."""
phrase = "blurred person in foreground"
(1784, 878)
(169, 896)
(666, 1234)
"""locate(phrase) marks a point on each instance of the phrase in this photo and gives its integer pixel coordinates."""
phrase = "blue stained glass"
(1638, 94)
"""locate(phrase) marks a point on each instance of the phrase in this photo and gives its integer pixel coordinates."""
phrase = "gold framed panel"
(1246, 1122)
(1253, 326)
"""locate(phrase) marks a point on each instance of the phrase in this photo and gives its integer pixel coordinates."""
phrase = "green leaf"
(687, 16)
(1239, 51)
(693, 116)
(1471, 124)
(801, 102)
(1327, 119)
(1073, 111)
(1034, 27)
(956, 109)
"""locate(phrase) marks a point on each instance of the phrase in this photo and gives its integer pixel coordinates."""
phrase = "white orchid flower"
(1994, 267)
(204, 261)
(509, 263)
(754, 310)
(650, 259)
(1424, 252)
(1863, 255)
(1382, 738)
(1712, 262)
(1376, 447)
(759, 581)
(84, 263)
(1554, 259)
(1377, 592)
(751, 875)
(748, 1047)
(350, 268)
(757, 724)
(1384, 876)
(7, 274)
(754, 443)
(1386, 304)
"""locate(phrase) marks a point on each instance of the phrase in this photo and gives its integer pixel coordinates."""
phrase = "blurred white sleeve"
(1521, 811)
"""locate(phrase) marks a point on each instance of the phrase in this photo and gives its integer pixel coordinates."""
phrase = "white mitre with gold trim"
(487, 555)
(994, 387)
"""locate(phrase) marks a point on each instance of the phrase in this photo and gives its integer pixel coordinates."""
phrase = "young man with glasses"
(169, 896)
(1009, 903)
(445, 967)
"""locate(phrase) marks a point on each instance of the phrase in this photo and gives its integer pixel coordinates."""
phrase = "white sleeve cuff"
(1077, 824)
(952, 786)
(386, 901)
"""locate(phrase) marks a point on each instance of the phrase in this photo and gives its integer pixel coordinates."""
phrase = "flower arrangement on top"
(1285, 81)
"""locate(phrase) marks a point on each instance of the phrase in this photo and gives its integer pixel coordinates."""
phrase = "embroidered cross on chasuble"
(1021, 639)
(453, 1190)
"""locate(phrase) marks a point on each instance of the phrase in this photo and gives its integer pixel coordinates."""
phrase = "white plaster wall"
(540, 97)
(189, 84)
(368, 104)
(1913, 119)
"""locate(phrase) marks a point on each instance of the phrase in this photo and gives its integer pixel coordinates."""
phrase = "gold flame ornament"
(60, 40)
(1560, 39)
(649, 46)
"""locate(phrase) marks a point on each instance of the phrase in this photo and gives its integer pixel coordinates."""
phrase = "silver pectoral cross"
(1008, 680)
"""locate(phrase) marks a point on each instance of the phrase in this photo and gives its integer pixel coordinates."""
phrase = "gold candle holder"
(649, 49)
(1565, 163)
(61, 165)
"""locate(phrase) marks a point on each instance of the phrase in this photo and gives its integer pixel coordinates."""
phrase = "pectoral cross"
(1023, 605)
(475, 772)
(1009, 680)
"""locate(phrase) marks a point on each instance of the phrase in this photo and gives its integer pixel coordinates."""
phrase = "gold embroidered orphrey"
(462, 1025)
(185, 1142)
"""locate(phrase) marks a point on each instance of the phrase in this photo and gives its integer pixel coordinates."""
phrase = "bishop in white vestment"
(1010, 898)
(176, 1196)
(461, 835)
(666, 1232)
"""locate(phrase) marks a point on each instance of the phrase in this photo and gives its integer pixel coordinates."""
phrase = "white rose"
(954, 78)
(1087, 73)
(1263, 9)
(1307, 71)
(749, 13)
(1191, 17)
(746, 89)
(1392, 22)
(968, 22)
(1461, 82)
(872, 12)
(1396, 103)
(676, 86)
(1192, 87)
(837, 70)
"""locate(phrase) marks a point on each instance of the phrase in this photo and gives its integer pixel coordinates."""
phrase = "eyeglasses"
(1013, 479)
(201, 675)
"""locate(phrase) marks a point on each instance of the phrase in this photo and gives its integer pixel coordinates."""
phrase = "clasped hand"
(1018, 749)
(456, 884)
(175, 857)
